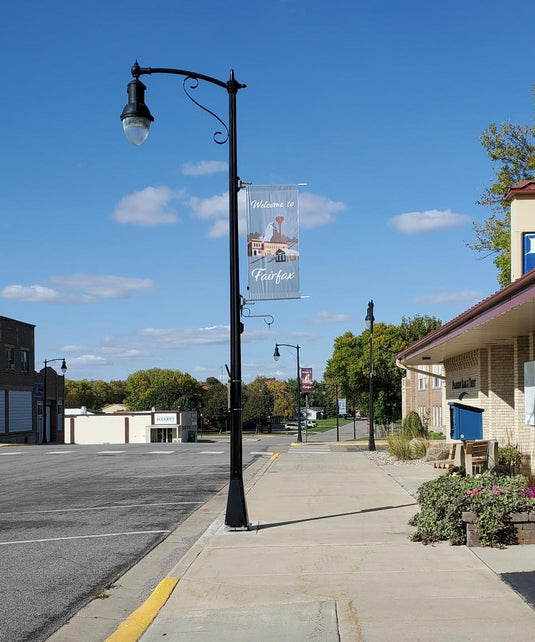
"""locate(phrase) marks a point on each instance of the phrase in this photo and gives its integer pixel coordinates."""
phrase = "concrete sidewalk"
(329, 558)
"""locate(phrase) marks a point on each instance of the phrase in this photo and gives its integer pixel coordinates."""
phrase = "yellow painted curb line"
(137, 623)
(273, 457)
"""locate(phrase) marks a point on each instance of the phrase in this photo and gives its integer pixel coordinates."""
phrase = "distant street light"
(136, 119)
(276, 356)
(369, 324)
(63, 371)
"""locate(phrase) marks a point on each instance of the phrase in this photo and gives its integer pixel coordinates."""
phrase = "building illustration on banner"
(272, 243)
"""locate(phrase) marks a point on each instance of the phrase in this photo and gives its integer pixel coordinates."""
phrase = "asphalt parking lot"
(74, 518)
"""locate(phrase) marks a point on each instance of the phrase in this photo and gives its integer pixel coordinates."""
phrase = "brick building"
(17, 408)
(423, 391)
(22, 390)
(488, 352)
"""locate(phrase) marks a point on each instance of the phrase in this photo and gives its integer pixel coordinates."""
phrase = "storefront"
(488, 352)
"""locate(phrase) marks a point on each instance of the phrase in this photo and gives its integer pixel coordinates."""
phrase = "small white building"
(82, 427)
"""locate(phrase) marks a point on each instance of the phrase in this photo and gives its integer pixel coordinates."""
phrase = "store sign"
(463, 383)
(529, 252)
(165, 419)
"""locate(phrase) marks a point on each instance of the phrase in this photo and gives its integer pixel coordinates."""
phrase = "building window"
(437, 381)
(422, 382)
(437, 416)
(10, 358)
(25, 361)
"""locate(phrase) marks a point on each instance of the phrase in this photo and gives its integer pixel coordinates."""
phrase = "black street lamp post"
(276, 356)
(369, 324)
(63, 371)
(136, 119)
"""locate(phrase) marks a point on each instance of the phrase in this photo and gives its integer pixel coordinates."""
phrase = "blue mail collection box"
(466, 422)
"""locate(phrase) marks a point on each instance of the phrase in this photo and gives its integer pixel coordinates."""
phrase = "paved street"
(74, 518)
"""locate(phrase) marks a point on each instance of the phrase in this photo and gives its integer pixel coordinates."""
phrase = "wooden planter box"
(524, 524)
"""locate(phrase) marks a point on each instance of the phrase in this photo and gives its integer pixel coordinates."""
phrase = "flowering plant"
(529, 491)
(492, 498)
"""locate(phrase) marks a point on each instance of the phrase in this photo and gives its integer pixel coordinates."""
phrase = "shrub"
(418, 448)
(399, 446)
(492, 498)
(510, 458)
(412, 425)
(404, 448)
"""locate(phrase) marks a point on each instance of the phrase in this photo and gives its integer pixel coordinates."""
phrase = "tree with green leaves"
(512, 148)
(80, 394)
(93, 394)
(258, 403)
(283, 399)
(162, 390)
(348, 370)
(214, 403)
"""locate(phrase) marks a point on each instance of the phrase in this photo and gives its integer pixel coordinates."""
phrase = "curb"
(136, 624)
(133, 627)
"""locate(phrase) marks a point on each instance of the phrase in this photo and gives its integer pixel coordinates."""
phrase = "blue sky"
(119, 255)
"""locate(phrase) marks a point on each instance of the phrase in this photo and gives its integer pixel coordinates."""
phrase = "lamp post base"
(236, 515)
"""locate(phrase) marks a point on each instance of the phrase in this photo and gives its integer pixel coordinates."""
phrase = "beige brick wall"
(523, 432)
(501, 415)
(493, 379)
(463, 376)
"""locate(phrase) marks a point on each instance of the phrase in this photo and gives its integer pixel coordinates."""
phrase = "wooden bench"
(480, 455)
(450, 461)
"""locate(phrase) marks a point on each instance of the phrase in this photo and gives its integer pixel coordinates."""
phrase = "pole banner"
(272, 242)
(342, 406)
(307, 382)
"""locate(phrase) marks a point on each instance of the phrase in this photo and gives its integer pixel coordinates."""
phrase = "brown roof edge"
(508, 292)
(525, 188)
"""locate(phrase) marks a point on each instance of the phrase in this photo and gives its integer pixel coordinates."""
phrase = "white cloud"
(329, 317)
(102, 355)
(103, 286)
(39, 294)
(85, 360)
(427, 221)
(316, 210)
(169, 338)
(465, 296)
(203, 168)
(74, 348)
(78, 288)
(147, 207)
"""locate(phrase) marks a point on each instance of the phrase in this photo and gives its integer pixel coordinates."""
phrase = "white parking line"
(60, 539)
(89, 508)
(161, 452)
(212, 452)
(10, 452)
(59, 452)
(255, 452)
